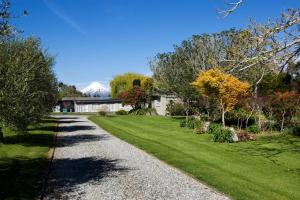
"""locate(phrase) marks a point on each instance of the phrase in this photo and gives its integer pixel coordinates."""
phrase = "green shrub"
(253, 129)
(121, 112)
(182, 123)
(294, 129)
(222, 135)
(102, 113)
(175, 109)
(214, 127)
(143, 111)
(199, 127)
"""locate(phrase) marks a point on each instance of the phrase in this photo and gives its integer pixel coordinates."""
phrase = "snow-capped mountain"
(96, 89)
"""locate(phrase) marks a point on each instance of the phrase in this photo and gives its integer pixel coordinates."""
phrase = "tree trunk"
(282, 122)
(223, 117)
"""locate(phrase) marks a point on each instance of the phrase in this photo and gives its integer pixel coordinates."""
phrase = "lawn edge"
(50, 158)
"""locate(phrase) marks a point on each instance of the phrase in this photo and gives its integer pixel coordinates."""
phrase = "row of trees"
(249, 70)
(28, 87)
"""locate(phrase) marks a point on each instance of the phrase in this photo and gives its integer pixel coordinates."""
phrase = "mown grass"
(268, 168)
(23, 161)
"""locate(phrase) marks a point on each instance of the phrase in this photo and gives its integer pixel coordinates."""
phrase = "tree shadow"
(70, 140)
(68, 174)
(68, 121)
(21, 178)
(62, 118)
(271, 146)
(76, 128)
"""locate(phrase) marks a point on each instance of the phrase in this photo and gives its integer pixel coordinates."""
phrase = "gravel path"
(91, 164)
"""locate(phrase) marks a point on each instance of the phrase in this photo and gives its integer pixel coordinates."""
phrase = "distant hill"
(96, 89)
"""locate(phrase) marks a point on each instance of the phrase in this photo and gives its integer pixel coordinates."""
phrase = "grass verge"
(23, 161)
(268, 168)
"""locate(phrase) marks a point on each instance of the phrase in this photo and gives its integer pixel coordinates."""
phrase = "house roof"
(91, 100)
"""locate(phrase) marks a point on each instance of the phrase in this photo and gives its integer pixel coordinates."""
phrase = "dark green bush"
(214, 127)
(182, 123)
(121, 112)
(293, 129)
(253, 129)
(222, 135)
(102, 113)
(143, 111)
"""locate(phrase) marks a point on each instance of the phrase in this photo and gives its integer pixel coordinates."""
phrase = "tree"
(147, 85)
(28, 87)
(284, 106)
(68, 91)
(173, 72)
(124, 82)
(223, 88)
(135, 97)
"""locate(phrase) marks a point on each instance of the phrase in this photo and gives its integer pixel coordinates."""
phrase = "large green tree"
(173, 72)
(28, 87)
(125, 82)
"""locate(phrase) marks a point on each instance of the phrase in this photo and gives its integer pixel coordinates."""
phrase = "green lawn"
(23, 161)
(268, 168)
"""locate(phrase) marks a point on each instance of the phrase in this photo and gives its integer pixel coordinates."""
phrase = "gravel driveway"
(89, 163)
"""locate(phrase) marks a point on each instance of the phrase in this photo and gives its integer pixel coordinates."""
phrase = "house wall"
(96, 107)
(161, 103)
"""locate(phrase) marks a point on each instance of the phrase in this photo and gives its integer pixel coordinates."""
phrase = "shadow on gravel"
(69, 121)
(70, 140)
(73, 128)
(68, 174)
(56, 117)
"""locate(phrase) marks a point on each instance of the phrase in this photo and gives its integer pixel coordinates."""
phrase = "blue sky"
(94, 40)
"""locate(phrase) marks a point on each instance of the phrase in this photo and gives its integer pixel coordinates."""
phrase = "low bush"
(214, 127)
(175, 109)
(199, 127)
(253, 129)
(121, 112)
(189, 122)
(222, 135)
(143, 111)
(193, 123)
(294, 129)
(102, 113)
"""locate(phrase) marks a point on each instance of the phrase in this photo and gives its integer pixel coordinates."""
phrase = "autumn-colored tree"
(223, 88)
(284, 106)
(135, 97)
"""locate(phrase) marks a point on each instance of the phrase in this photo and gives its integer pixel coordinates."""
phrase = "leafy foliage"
(121, 112)
(253, 129)
(175, 109)
(124, 82)
(284, 106)
(213, 127)
(28, 87)
(68, 91)
(222, 135)
(135, 97)
(223, 88)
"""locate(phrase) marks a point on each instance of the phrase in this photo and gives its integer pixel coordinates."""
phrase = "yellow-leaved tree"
(222, 88)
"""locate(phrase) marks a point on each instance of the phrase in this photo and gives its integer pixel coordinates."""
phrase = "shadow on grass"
(67, 174)
(270, 147)
(20, 178)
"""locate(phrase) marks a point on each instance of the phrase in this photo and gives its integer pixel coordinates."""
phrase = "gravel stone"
(90, 163)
